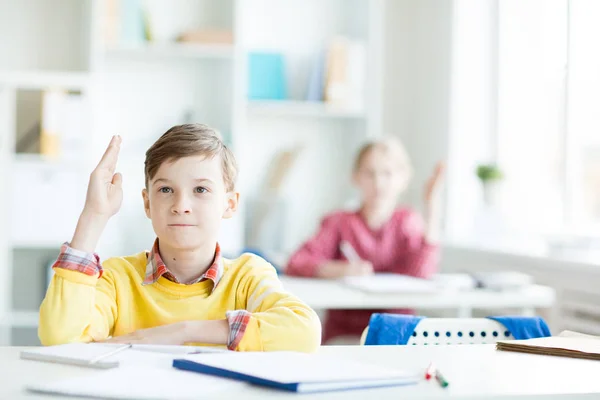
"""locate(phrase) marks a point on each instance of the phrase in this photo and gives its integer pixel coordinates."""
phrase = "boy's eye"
(200, 189)
(165, 190)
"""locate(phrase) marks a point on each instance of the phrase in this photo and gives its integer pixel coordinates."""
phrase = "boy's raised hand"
(103, 200)
(105, 190)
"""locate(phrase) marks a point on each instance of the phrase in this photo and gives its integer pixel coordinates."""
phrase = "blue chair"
(410, 330)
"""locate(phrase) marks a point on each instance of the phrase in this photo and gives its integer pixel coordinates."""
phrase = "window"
(544, 118)
(532, 57)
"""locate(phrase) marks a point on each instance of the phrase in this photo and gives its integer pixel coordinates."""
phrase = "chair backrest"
(442, 331)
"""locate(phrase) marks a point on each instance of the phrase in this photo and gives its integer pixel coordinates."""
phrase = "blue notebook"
(295, 372)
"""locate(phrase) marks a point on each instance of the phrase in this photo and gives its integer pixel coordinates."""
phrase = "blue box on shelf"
(266, 76)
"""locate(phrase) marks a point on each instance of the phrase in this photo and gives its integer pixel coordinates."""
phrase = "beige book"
(52, 122)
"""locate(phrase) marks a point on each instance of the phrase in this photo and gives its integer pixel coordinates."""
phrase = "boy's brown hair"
(190, 140)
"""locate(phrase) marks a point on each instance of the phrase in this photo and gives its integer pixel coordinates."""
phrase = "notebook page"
(291, 367)
(391, 283)
(578, 335)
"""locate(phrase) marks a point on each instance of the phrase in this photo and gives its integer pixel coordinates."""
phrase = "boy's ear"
(146, 198)
(233, 199)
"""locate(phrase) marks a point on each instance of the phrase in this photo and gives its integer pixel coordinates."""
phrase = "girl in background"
(385, 237)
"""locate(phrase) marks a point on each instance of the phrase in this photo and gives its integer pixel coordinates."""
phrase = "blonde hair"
(390, 146)
(190, 140)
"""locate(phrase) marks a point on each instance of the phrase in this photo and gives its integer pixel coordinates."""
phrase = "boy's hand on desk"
(105, 191)
(339, 269)
(173, 334)
(179, 333)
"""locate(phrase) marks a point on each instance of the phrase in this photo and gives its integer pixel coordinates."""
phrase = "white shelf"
(302, 109)
(174, 50)
(40, 160)
(21, 319)
(38, 80)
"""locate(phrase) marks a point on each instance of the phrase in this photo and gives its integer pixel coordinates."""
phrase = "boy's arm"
(273, 318)
(80, 302)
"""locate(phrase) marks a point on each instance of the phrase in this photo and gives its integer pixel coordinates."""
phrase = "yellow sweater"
(82, 308)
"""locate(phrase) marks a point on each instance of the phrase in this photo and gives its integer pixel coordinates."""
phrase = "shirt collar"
(155, 268)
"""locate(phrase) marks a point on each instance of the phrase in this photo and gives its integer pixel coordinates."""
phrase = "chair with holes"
(443, 331)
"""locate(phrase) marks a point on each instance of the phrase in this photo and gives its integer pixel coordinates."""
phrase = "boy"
(182, 291)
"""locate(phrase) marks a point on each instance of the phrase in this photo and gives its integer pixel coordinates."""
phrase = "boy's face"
(380, 178)
(186, 201)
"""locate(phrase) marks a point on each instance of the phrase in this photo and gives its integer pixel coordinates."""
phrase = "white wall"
(417, 81)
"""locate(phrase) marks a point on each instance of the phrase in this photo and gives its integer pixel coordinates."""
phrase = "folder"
(295, 372)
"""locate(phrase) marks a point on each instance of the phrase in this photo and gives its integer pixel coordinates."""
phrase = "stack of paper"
(567, 344)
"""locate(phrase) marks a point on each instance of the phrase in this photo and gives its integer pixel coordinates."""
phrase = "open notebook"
(297, 372)
(567, 344)
(395, 283)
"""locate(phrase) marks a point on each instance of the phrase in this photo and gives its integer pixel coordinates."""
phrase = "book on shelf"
(345, 73)
(62, 125)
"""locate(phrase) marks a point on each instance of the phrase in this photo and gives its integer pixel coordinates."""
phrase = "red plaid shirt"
(89, 264)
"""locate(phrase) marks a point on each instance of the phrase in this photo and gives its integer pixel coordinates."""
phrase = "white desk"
(474, 371)
(323, 294)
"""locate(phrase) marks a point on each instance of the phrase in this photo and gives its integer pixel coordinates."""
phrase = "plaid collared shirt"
(89, 264)
(155, 268)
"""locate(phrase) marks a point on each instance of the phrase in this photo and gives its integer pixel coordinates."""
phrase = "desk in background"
(323, 294)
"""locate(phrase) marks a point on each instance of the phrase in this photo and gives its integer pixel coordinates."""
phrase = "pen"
(430, 371)
(110, 353)
(440, 379)
(349, 252)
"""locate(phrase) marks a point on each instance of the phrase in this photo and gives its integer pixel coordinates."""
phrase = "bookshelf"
(139, 89)
(298, 108)
(173, 52)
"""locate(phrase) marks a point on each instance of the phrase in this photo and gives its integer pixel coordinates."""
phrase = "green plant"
(489, 172)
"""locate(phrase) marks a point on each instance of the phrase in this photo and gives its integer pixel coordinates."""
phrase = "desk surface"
(472, 370)
(330, 294)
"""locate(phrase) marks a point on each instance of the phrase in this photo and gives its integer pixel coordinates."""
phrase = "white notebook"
(395, 283)
(138, 382)
(298, 372)
(97, 355)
